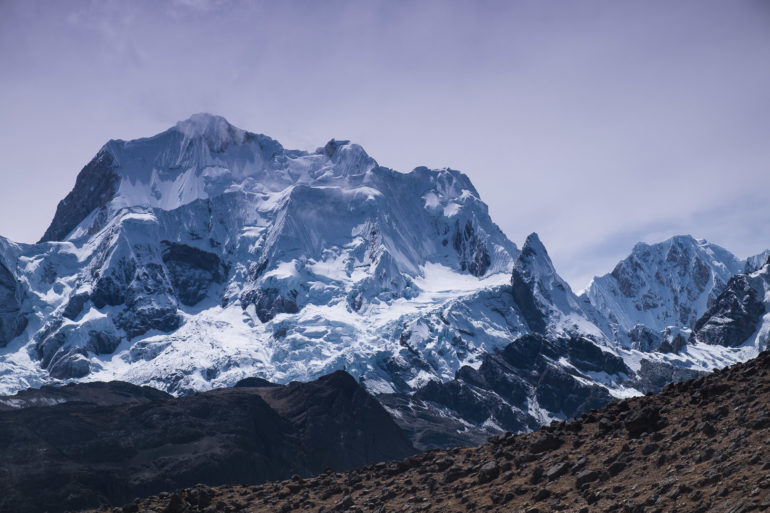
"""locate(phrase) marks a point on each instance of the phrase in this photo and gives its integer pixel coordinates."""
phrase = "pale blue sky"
(594, 123)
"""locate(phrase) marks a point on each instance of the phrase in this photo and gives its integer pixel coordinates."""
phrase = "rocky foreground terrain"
(699, 446)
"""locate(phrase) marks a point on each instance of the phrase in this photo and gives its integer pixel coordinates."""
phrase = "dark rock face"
(62, 361)
(108, 443)
(12, 319)
(474, 256)
(191, 271)
(94, 188)
(70, 364)
(65, 361)
(653, 376)
(145, 291)
(674, 346)
(734, 316)
(525, 300)
(75, 305)
(269, 302)
(644, 339)
(505, 385)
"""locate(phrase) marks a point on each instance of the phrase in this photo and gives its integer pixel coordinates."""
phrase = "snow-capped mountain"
(193, 258)
(206, 254)
(660, 289)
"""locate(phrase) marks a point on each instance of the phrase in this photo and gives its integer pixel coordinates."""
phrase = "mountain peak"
(534, 258)
(542, 296)
(210, 127)
(534, 245)
(669, 283)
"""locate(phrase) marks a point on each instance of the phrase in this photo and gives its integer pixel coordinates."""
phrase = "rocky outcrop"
(270, 301)
(108, 443)
(139, 284)
(474, 256)
(191, 271)
(697, 447)
(736, 313)
(514, 390)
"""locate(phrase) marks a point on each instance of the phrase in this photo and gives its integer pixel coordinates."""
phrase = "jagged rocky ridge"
(699, 446)
(738, 313)
(206, 254)
(89, 444)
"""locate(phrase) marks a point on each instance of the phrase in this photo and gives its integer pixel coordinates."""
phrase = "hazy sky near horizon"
(595, 123)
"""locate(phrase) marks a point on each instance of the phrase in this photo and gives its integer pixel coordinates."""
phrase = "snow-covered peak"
(677, 249)
(670, 283)
(199, 158)
(215, 129)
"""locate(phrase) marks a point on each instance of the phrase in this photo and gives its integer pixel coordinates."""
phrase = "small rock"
(616, 468)
(175, 504)
(345, 503)
(557, 470)
(707, 428)
(585, 477)
(537, 474)
(488, 472)
(546, 443)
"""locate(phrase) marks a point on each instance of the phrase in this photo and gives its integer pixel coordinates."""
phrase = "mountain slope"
(698, 446)
(739, 317)
(107, 444)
